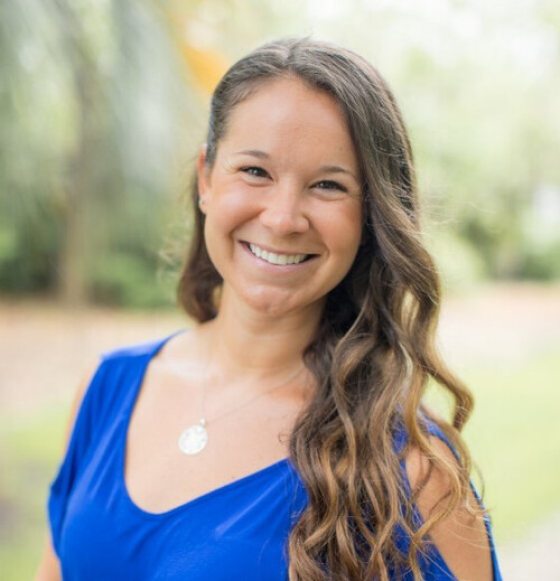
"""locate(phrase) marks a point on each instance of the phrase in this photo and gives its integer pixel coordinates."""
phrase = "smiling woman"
(316, 306)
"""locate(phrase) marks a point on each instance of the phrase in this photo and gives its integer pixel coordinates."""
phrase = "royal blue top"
(237, 531)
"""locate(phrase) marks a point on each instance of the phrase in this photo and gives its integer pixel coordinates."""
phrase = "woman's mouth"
(276, 258)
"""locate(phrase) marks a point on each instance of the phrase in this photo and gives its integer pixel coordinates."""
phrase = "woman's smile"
(277, 258)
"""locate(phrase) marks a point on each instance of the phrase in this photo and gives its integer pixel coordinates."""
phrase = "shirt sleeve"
(74, 457)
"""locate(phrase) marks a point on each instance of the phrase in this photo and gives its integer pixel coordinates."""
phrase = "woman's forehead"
(287, 116)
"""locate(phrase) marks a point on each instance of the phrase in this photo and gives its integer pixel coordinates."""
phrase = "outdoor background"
(102, 106)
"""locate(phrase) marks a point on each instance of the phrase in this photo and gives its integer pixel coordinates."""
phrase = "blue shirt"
(237, 531)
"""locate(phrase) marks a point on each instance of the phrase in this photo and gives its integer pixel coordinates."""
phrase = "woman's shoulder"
(144, 348)
(463, 537)
(122, 361)
(107, 375)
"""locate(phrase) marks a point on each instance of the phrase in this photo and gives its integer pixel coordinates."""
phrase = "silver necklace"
(194, 438)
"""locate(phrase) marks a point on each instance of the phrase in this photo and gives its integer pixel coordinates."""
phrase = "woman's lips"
(276, 267)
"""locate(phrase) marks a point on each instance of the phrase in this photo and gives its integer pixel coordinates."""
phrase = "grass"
(514, 437)
(30, 453)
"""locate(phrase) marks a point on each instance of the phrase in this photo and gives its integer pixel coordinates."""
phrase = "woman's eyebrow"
(254, 152)
(337, 169)
(325, 168)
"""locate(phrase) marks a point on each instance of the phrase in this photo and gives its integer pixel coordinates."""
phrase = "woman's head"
(374, 350)
(375, 128)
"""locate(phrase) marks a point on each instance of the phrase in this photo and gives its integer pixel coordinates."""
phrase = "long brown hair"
(373, 353)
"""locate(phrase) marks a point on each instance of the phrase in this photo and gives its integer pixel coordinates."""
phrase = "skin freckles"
(285, 178)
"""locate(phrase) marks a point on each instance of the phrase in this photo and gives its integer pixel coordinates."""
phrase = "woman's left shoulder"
(463, 537)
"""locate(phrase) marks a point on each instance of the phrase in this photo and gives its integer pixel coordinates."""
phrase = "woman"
(285, 433)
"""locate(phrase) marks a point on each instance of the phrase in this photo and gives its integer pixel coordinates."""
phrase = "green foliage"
(460, 266)
(98, 117)
(92, 108)
(28, 251)
(129, 280)
(30, 453)
(516, 446)
(128, 267)
(518, 451)
(542, 262)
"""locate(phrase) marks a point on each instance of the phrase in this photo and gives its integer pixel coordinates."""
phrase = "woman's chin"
(274, 303)
(268, 305)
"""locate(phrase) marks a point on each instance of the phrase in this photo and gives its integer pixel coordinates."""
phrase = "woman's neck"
(242, 342)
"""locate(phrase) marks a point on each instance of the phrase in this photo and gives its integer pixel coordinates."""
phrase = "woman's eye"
(330, 185)
(254, 171)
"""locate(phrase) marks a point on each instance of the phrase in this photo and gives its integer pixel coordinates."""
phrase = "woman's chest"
(241, 440)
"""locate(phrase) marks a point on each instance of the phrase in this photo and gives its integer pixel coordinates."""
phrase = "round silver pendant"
(193, 439)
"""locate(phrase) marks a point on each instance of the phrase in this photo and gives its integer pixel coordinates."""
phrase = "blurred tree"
(102, 103)
(89, 160)
(114, 150)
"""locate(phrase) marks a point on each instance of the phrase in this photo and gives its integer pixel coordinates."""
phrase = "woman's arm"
(461, 538)
(49, 566)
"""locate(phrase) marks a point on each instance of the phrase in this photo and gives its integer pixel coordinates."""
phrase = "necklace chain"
(259, 395)
(194, 438)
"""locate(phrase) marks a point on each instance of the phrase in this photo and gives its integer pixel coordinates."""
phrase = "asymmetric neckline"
(122, 440)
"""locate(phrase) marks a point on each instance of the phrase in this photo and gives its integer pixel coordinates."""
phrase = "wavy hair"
(374, 350)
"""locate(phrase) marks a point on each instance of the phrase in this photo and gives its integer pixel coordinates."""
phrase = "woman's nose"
(283, 213)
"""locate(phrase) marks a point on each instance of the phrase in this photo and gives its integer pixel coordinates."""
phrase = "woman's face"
(283, 199)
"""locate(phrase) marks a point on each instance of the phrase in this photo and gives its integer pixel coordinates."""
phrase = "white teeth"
(276, 258)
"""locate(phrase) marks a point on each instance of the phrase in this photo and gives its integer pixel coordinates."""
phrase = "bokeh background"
(102, 107)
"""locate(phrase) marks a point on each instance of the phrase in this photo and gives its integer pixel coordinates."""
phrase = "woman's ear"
(203, 178)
